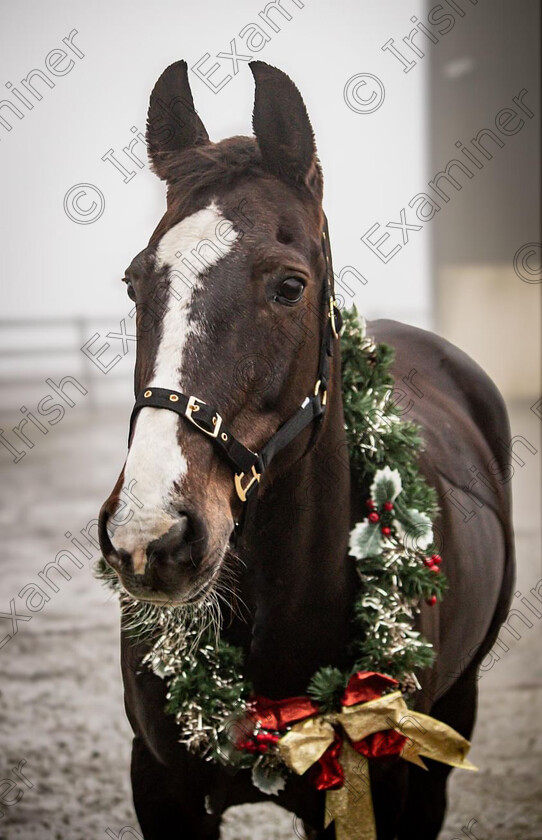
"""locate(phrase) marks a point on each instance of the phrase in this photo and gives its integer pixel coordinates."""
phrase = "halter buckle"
(238, 479)
(192, 407)
(317, 388)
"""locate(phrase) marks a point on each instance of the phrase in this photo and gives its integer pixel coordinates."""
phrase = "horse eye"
(129, 288)
(290, 290)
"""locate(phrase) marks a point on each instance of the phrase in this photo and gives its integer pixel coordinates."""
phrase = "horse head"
(229, 312)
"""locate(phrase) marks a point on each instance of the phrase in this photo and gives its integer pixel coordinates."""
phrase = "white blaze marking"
(155, 459)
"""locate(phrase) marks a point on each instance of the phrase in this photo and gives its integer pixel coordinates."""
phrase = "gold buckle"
(193, 406)
(332, 304)
(238, 478)
(317, 388)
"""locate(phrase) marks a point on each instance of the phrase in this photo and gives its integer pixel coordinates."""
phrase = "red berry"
(266, 738)
(432, 600)
(388, 505)
(434, 569)
(428, 562)
(437, 559)
(249, 746)
(374, 517)
(386, 531)
(370, 504)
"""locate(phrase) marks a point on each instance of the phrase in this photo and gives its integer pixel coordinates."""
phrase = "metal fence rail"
(35, 349)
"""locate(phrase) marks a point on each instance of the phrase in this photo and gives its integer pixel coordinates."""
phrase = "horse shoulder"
(460, 411)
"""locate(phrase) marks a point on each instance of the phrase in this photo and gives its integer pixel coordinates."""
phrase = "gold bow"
(351, 805)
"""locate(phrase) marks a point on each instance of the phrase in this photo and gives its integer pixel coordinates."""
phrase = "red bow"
(327, 773)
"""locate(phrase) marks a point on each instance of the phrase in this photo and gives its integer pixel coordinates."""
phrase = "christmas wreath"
(347, 716)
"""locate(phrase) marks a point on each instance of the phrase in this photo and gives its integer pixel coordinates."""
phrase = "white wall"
(373, 162)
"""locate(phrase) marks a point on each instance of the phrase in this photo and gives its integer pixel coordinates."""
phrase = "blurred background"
(427, 121)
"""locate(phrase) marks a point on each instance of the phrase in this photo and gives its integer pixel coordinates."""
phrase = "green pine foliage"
(326, 688)
(372, 419)
(206, 680)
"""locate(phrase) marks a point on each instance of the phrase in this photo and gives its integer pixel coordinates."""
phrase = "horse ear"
(283, 130)
(172, 121)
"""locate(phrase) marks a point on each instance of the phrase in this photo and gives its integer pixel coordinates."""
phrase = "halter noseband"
(245, 463)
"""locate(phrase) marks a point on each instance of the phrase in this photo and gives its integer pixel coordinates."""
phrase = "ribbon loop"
(340, 745)
(306, 743)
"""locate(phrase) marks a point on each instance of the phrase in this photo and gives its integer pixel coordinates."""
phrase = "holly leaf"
(365, 540)
(386, 486)
(268, 779)
(415, 530)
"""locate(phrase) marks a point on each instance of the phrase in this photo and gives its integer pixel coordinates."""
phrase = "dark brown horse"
(231, 282)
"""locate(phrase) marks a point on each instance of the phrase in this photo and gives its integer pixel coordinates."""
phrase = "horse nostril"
(195, 528)
(124, 557)
(185, 542)
(118, 559)
(189, 528)
(167, 549)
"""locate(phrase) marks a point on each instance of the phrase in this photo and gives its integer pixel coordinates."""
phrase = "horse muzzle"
(174, 567)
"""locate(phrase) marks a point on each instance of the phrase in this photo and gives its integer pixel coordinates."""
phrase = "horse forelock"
(196, 174)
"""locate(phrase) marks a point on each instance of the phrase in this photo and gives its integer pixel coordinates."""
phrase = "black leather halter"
(249, 466)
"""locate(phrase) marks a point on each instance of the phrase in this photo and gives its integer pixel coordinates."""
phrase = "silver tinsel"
(392, 614)
(181, 638)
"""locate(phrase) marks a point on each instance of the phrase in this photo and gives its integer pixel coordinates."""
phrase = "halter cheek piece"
(249, 466)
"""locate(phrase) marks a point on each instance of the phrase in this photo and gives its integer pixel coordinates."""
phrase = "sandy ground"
(61, 706)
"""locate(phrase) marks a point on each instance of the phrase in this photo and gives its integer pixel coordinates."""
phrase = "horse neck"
(299, 582)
